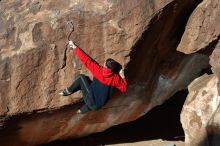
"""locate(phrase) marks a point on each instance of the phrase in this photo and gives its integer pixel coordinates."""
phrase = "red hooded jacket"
(104, 79)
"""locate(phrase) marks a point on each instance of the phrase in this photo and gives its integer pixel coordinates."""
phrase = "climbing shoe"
(65, 92)
(79, 111)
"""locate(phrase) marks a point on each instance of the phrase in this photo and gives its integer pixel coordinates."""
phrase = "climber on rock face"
(97, 92)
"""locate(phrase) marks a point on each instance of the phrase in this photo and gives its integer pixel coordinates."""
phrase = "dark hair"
(113, 65)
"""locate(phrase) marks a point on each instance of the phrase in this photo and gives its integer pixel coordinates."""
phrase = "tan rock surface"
(202, 32)
(143, 34)
(33, 42)
(215, 63)
(199, 108)
(34, 35)
(203, 27)
(213, 129)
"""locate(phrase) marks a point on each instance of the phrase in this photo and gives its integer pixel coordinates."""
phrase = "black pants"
(82, 83)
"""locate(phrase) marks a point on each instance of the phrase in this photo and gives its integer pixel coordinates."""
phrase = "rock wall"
(199, 116)
(33, 39)
(199, 109)
(202, 29)
(143, 34)
(214, 61)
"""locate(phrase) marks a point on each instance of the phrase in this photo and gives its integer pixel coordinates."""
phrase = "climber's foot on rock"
(65, 92)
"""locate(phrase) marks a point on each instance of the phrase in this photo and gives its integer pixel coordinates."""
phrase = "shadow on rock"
(163, 122)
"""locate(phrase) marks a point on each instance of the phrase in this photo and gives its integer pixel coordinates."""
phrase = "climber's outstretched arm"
(91, 64)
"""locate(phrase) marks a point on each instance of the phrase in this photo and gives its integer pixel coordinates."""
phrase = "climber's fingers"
(72, 45)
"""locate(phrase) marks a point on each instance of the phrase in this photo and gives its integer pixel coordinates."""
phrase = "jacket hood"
(107, 72)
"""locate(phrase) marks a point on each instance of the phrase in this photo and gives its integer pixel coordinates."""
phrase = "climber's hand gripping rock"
(72, 45)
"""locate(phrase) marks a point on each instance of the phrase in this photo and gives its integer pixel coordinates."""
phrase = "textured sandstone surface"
(213, 129)
(202, 29)
(34, 35)
(142, 34)
(200, 112)
(198, 116)
(215, 63)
